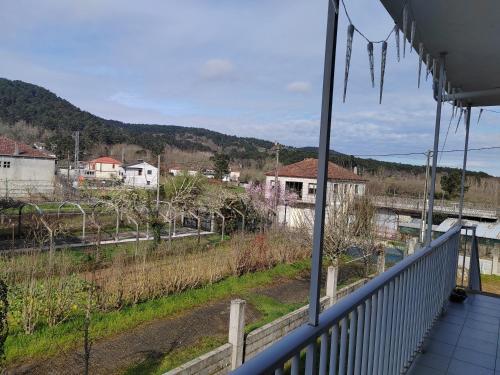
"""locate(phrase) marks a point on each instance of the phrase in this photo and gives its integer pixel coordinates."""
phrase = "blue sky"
(249, 68)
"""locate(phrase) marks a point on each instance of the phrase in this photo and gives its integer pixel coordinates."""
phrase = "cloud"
(302, 87)
(217, 69)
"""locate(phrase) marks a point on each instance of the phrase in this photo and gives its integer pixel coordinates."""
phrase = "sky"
(247, 68)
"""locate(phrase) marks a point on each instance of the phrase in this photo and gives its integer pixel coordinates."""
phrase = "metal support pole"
(462, 185)
(323, 156)
(426, 195)
(428, 235)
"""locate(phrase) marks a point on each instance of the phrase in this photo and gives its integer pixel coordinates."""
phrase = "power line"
(423, 153)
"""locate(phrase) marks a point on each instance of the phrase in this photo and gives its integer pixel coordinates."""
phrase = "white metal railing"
(378, 328)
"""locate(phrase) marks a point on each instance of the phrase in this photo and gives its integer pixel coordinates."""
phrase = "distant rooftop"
(9, 147)
(106, 160)
(308, 168)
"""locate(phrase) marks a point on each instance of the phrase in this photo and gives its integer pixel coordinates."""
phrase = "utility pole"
(276, 187)
(422, 227)
(158, 184)
(76, 136)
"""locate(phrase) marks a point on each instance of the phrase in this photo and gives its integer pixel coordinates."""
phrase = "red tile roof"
(105, 160)
(308, 168)
(8, 147)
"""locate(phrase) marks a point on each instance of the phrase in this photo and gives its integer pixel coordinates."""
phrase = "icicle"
(350, 36)
(382, 69)
(412, 34)
(480, 113)
(434, 68)
(371, 61)
(454, 103)
(405, 28)
(459, 118)
(427, 65)
(335, 7)
(396, 34)
(449, 88)
(420, 58)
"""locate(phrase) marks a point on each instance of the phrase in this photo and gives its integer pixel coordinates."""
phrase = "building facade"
(140, 174)
(103, 168)
(24, 170)
(300, 178)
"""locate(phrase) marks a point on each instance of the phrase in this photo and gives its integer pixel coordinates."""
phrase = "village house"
(102, 168)
(300, 179)
(25, 170)
(140, 174)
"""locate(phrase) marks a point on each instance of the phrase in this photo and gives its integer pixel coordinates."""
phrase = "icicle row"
(382, 69)
(420, 58)
(428, 65)
(350, 36)
(371, 61)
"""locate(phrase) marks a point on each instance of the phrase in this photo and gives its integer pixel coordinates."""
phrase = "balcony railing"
(379, 328)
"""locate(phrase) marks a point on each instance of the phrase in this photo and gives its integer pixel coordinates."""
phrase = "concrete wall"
(133, 178)
(22, 176)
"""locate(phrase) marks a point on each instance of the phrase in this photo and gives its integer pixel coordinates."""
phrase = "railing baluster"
(373, 325)
(334, 350)
(383, 331)
(295, 364)
(378, 334)
(323, 356)
(388, 328)
(352, 341)
(343, 347)
(311, 359)
(279, 371)
(359, 339)
(366, 335)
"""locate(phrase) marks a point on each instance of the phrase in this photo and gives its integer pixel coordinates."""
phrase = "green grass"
(270, 309)
(53, 340)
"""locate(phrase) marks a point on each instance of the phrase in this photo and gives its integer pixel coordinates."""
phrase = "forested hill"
(38, 107)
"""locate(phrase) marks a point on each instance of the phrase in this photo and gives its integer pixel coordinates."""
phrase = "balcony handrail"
(282, 351)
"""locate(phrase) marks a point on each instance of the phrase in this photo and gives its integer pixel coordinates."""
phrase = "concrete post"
(494, 266)
(237, 331)
(331, 284)
(412, 243)
(381, 261)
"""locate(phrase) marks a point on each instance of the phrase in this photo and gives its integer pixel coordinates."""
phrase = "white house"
(177, 170)
(103, 168)
(300, 178)
(140, 174)
(25, 170)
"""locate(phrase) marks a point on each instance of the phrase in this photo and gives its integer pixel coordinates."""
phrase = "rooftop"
(106, 160)
(308, 168)
(8, 147)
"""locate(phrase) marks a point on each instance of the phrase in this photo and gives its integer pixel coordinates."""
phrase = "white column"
(331, 284)
(237, 331)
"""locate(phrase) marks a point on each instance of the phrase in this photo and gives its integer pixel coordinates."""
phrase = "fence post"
(237, 331)
(494, 265)
(381, 261)
(331, 284)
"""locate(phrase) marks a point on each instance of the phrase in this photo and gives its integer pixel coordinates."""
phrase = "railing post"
(381, 261)
(474, 268)
(331, 284)
(237, 331)
(494, 265)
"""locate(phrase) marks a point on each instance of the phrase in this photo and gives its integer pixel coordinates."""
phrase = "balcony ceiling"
(468, 31)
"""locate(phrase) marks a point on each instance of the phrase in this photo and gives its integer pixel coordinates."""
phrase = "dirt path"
(160, 337)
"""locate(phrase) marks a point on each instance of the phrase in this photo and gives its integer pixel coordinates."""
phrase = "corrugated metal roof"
(483, 230)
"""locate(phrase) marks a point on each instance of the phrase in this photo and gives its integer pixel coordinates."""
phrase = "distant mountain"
(39, 107)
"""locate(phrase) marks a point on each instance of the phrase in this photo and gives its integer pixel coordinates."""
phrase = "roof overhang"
(468, 32)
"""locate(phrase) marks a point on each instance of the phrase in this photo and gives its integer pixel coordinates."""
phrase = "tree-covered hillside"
(38, 107)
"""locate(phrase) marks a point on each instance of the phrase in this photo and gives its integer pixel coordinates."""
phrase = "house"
(300, 179)
(234, 175)
(102, 168)
(176, 170)
(25, 170)
(140, 174)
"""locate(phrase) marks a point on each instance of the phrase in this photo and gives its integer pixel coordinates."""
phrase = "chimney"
(355, 169)
(16, 149)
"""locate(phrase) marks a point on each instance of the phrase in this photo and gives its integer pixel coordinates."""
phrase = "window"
(148, 182)
(150, 171)
(356, 189)
(335, 189)
(6, 164)
(311, 189)
(294, 187)
(139, 172)
(113, 166)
